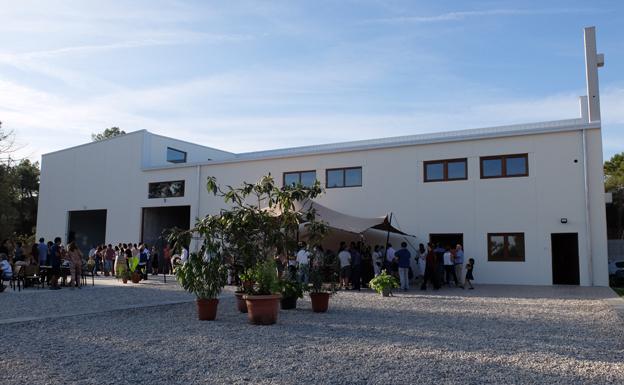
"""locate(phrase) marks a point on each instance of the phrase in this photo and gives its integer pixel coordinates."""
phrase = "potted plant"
(291, 291)
(133, 264)
(384, 283)
(122, 273)
(263, 297)
(205, 277)
(320, 292)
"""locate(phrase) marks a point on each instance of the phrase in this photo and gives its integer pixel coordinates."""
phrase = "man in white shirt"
(303, 263)
(185, 255)
(5, 272)
(345, 266)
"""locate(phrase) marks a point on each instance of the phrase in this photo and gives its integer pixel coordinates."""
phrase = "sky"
(256, 75)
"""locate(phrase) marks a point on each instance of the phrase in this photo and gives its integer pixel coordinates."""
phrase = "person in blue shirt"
(404, 257)
(42, 248)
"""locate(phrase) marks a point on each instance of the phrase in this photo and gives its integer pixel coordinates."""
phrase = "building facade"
(526, 201)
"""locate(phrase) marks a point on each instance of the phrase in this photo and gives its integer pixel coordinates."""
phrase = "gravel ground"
(492, 335)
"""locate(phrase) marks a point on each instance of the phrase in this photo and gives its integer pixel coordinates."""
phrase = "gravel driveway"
(492, 335)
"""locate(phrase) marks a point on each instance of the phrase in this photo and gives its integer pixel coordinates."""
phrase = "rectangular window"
(504, 166)
(305, 178)
(343, 177)
(175, 156)
(506, 247)
(446, 170)
(171, 189)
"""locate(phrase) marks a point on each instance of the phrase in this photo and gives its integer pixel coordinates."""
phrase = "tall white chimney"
(593, 60)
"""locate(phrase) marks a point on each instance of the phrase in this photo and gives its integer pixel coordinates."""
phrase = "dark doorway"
(86, 228)
(565, 258)
(157, 219)
(451, 239)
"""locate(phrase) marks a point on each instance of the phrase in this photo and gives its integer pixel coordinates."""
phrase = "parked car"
(616, 272)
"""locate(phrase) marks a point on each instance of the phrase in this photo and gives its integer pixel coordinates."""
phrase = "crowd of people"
(357, 263)
(53, 256)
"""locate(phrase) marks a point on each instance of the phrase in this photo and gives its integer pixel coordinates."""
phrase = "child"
(469, 276)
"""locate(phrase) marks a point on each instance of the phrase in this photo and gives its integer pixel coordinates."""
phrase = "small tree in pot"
(263, 297)
(319, 291)
(291, 290)
(205, 277)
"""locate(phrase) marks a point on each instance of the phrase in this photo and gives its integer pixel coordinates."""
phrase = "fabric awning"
(345, 222)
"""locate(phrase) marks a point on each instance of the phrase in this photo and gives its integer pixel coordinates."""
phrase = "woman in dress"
(74, 256)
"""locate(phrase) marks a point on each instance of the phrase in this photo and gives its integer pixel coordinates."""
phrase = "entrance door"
(565, 258)
(450, 239)
(87, 228)
(158, 219)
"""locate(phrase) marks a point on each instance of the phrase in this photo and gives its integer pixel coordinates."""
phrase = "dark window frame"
(344, 178)
(181, 181)
(445, 163)
(176, 150)
(295, 172)
(506, 257)
(503, 159)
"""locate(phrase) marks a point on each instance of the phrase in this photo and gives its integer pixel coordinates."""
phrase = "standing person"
(154, 258)
(75, 264)
(42, 251)
(422, 259)
(55, 263)
(356, 264)
(404, 258)
(109, 260)
(439, 264)
(389, 257)
(377, 260)
(449, 267)
(345, 266)
(166, 259)
(459, 264)
(303, 263)
(185, 254)
(469, 276)
(430, 269)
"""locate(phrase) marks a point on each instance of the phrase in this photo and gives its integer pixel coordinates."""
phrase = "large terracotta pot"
(241, 304)
(320, 302)
(262, 309)
(207, 309)
(288, 303)
(135, 277)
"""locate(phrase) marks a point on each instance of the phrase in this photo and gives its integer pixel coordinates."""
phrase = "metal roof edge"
(400, 141)
(143, 131)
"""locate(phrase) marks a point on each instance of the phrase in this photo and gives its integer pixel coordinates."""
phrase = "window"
(445, 170)
(343, 177)
(171, 189)
(504, 166)
(506, 247)
(305, 178)
(175, 156)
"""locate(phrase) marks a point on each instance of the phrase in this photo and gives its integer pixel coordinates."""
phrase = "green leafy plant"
(318, 286)
(122, 272)
(384, 283)
(204, 277)
(264, 277)
(291, 288)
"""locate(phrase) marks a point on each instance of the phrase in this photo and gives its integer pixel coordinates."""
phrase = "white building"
(526, 201)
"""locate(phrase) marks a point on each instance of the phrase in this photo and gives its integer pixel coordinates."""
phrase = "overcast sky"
(254, 75)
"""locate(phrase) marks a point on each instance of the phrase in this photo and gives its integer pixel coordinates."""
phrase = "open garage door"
(86, 228)
(157, 219)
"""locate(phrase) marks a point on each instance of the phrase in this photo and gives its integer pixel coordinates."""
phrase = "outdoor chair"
(86, 273)
(18, 278)
(32, 276)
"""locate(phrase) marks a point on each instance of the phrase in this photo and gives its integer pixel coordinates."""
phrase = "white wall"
(108, 175)
(155, 153)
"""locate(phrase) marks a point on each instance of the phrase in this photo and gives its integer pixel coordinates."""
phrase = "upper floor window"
(506, 247)
(504, 166)
(175, 156)
(445, 170)
(305, 178)
(343, 177)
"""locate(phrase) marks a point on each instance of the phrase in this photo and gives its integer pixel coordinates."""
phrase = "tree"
(107, 134)
(614, 183)
(6, 142)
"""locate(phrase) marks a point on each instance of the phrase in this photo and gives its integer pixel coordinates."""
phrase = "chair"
(86, 273)
(32, 276)
(18, 278)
